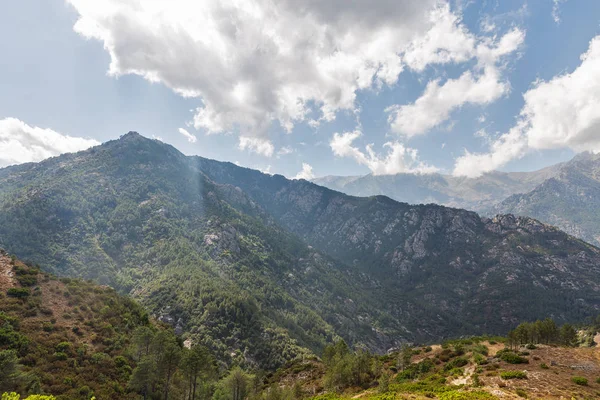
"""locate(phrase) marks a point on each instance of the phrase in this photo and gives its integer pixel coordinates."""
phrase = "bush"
(531, 346)
(521, 393)
(18, 292)
(479, 359)
(544, 366)
(511, 358)
(481, 349)
(456, 363)
(459, 395)
(579, 380)
(513, 375)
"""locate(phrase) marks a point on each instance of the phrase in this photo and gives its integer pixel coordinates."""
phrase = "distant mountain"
(569, 200)
(472, 194)
(263, 269)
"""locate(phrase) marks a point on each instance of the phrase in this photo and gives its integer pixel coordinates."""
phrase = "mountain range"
(564, 195)
(263, 269)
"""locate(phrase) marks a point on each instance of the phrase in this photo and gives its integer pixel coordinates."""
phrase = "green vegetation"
(511, 357)
(88, 354)
(579, 380)
(521, 393)
(15, 396)
(513, 375)
(263, 270)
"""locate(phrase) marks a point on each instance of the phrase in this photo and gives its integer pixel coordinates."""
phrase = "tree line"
(542, 332)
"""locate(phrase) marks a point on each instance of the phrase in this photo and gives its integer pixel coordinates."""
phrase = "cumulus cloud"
(190, 137)
(255, 63)
(256, 145)
(563, 112)
(305, 173)
(483, 85)
(21, 143)
(398, 159)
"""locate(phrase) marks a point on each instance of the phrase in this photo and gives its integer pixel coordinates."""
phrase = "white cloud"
(563, 112)
(305, 173)
(256, 145)
(481, 86)
(190, 137)
(21, 143)
(556, 10)
(448, 41)
(284, 151)
(399, 159)
(258, 62)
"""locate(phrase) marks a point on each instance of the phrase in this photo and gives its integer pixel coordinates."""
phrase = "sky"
(307, 88)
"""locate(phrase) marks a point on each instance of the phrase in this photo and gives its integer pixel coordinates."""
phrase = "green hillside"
(263, 270)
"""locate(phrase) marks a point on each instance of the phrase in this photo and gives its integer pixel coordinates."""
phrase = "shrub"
(579, 380)
(59, 355)
(511, 358)
(531, 346)
(63, 347)
(481, 349)
(456, 363)
(479, 359)
(428, 349)
(544, 366)
(598, 380)
(459, 395)
(521, 393)
(513, 375)
(18, 292)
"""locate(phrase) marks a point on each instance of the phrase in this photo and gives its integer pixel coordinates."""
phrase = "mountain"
(262, 269)
(472, 194)
(569, 200)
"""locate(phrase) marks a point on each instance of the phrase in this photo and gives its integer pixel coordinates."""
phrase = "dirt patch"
(6, 273)
(494, 348)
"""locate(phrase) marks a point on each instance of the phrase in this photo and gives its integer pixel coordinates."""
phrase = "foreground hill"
(65, 337)
(260, 268)
(468, 369)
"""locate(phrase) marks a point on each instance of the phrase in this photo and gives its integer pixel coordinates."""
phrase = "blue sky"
(55, 77)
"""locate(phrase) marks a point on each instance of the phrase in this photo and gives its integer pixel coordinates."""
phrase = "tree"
(142, 339)
(568, 335)
(9, 370)
(384, 382)
(236, 384)
(143, 376)
(169, 360)
(197, 363)
(404, 357)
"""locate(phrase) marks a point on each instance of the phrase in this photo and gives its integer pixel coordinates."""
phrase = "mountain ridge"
(195, 240)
